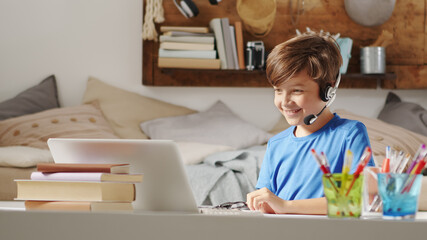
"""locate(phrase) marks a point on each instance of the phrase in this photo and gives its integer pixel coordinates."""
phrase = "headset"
(189, 9)
(327, 95)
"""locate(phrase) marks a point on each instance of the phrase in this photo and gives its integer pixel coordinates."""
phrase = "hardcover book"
(227, 42)
(186, 46)
(80, 167)
(240, 44)
(184, 29)
(215, 25)
(78, 206)
(187, 39)
(207, 54)
(86, 176)
(233, 46)
(194, 63)
(181, 33)
(74, 191)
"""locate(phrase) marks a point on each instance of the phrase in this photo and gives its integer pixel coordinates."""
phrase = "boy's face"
(297, 98)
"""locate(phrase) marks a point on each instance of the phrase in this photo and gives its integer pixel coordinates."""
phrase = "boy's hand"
(265, 201)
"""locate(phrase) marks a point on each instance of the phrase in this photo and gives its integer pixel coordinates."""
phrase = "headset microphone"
(330, 94)
(310, 119)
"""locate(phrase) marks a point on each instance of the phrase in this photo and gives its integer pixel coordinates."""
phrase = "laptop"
(165, 185)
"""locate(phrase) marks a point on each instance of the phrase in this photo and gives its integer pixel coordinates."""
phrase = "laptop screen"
(165, 185)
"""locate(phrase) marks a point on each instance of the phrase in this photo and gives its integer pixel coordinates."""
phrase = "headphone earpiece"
(329, 92)
(187, 7)
(326, 93)
(214, 2)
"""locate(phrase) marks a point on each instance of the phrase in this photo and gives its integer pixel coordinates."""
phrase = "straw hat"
(257, 15)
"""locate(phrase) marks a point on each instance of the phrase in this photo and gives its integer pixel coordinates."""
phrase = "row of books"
(79, 187)
(199, 48)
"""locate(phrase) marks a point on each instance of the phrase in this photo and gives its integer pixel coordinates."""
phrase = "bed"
(222, 152)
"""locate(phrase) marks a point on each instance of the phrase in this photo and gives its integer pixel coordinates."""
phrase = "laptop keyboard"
(227, 211)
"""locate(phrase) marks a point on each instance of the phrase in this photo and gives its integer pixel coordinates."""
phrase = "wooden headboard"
(406, 56)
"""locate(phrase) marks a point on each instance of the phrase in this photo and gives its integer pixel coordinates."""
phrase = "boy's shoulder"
(337, 124)
(345, 124)
(283, 134)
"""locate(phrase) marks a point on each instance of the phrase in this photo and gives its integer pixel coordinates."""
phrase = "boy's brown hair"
(318, 53)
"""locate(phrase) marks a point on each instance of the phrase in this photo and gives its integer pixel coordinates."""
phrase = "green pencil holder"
(344, 195)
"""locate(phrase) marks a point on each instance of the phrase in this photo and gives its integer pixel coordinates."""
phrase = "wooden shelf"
(406, 57)
(242, 78)
(154, 76)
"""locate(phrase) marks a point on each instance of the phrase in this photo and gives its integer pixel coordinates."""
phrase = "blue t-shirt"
(290, 171)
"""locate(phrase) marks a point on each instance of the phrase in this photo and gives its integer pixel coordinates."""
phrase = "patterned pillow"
(33, 130)
(382, 134)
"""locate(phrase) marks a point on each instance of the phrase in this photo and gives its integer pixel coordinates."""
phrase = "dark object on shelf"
(255, 55)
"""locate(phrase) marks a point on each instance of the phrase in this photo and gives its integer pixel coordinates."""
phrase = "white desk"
(18, 224)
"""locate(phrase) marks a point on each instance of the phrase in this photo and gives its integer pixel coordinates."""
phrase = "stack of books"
(229, 43)
(187, 47)
(198, 48)
(79, 187)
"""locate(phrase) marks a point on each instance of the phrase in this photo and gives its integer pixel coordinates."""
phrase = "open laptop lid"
(165, 185)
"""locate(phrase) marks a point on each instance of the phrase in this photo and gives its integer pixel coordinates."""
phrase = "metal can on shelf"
(372, 60)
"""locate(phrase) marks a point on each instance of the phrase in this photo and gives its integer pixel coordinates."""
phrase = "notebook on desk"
(165, 186)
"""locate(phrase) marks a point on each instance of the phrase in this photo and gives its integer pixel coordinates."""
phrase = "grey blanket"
(226, 176)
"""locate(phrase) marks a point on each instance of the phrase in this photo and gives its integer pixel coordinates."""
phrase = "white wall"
(75, 39)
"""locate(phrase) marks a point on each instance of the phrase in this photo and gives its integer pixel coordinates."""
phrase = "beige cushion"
(382, 134)
(33, 130)
(7, 185)
(21, 156)
(195, 152)
(280, 126)
(126, 110)
(218, 125)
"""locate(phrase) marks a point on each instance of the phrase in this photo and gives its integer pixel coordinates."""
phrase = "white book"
(206, 54)
(227, 42)
(233, 45)
(186, 46)
(187, 39)
(181, 33)
(86, 176)
(215, 25)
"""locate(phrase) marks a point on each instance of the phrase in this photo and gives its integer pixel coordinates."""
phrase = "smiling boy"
(302, 71)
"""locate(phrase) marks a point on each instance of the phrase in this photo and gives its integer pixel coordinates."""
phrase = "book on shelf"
(81, 167)
(240, 44)
(78, 206)
(187, 39)
(183, 33)
(186, 46)
(227, 42)
(233, 46)
(215, 25)
(86, 176)
(207, 54)
(74, 191)
(194, 63)
(184, 29)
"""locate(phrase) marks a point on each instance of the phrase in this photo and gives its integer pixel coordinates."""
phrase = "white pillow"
(195, 153)
(21, 156)
(218, 125)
